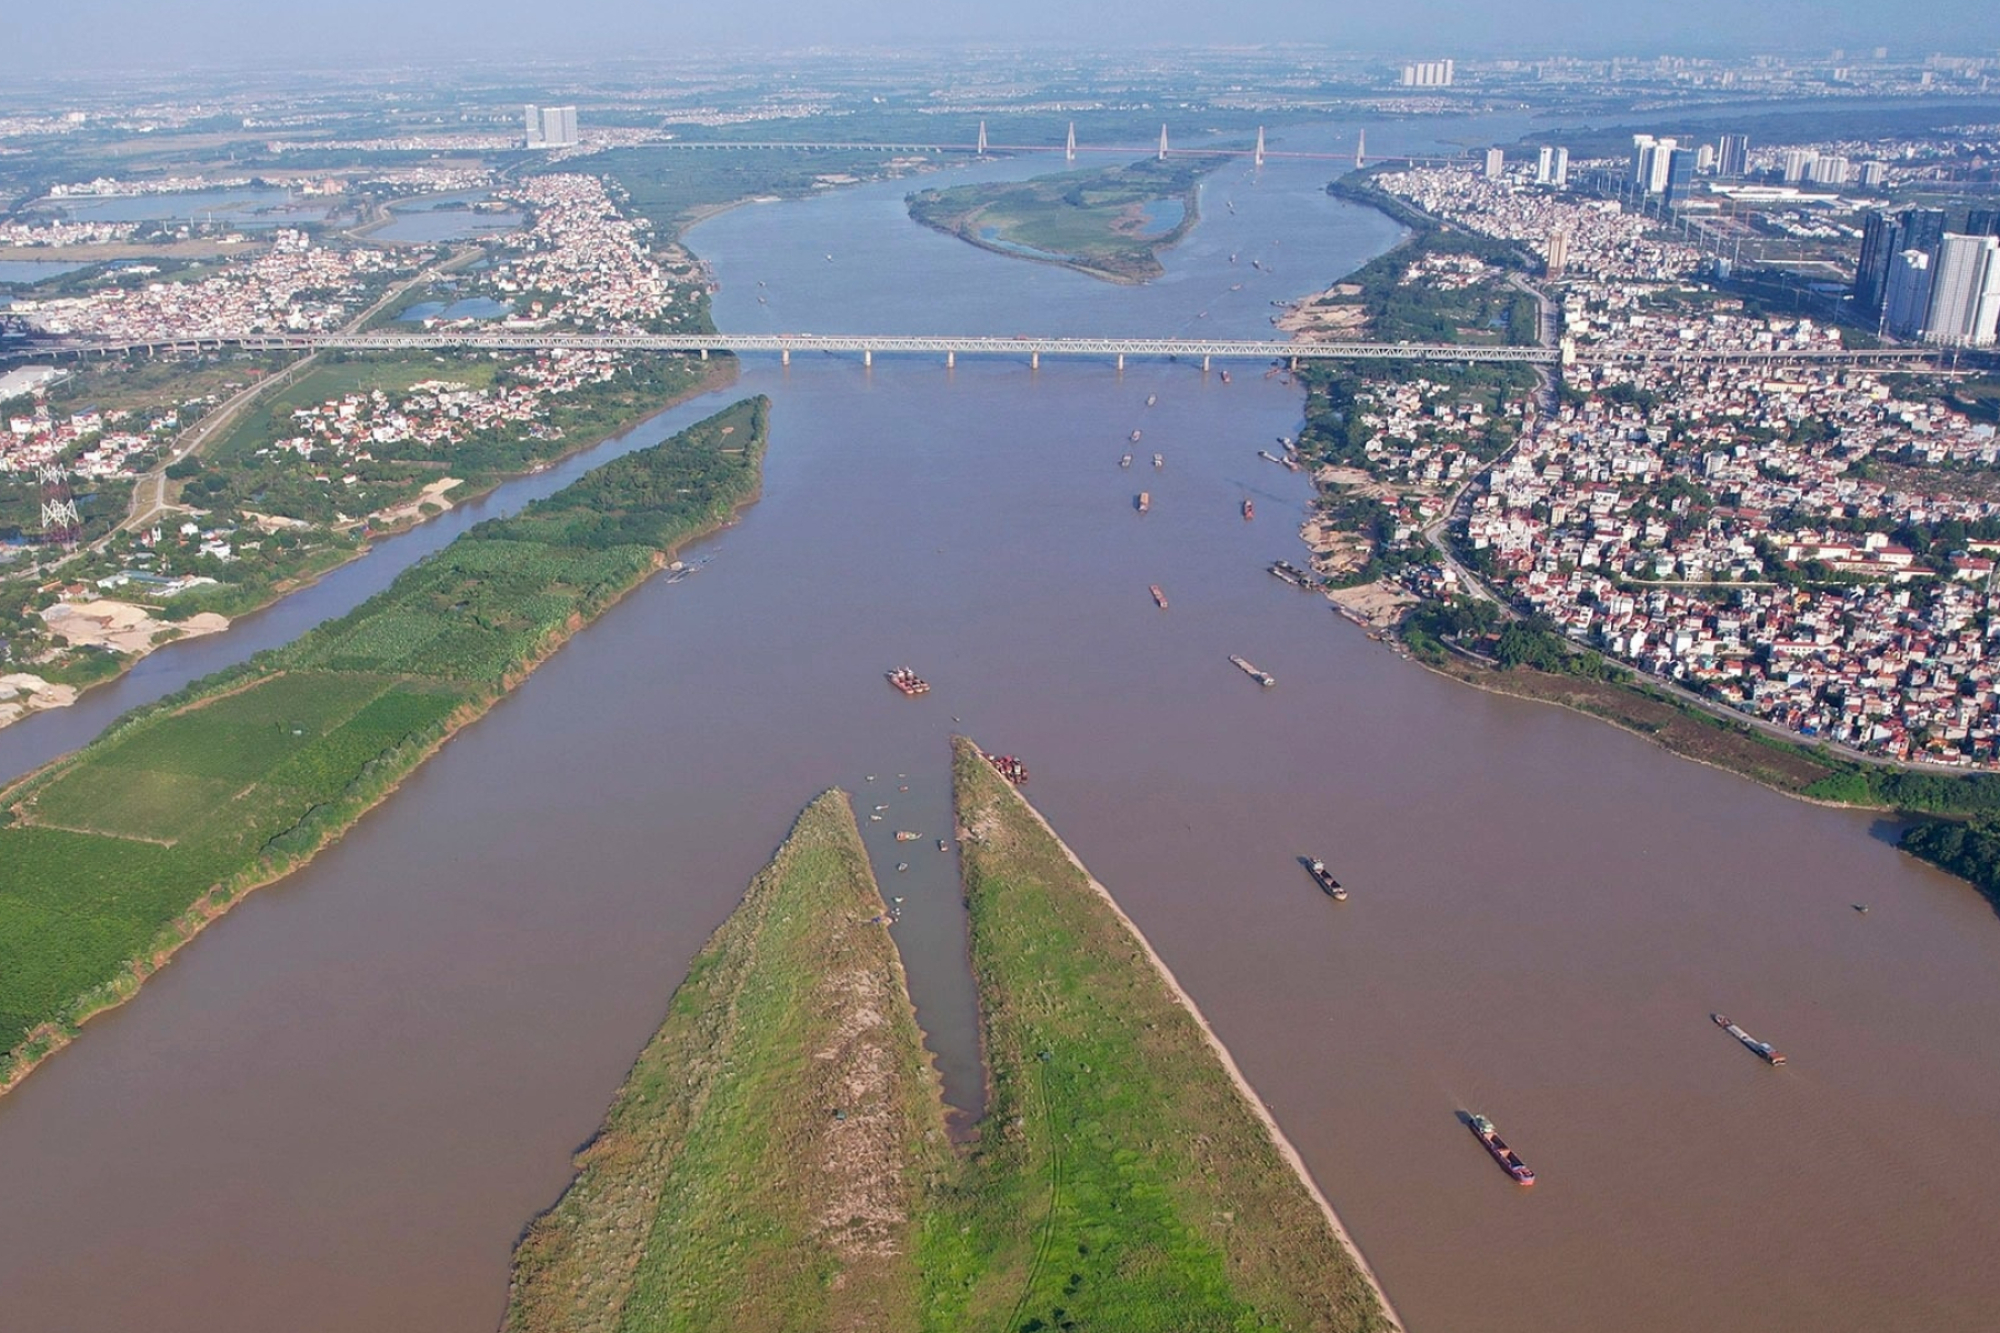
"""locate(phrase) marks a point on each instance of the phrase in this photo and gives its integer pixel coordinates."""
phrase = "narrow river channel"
(336, 1110)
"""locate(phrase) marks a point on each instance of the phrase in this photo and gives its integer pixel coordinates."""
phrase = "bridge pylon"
(981, 150)
(1163, 143)
(1257, 158)
(1069, 149)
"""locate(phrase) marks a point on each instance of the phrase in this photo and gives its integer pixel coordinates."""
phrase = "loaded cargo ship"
(1510, 1161)
(1763, 1050)
(1260, 676)
(1324, 877)
(908, 681)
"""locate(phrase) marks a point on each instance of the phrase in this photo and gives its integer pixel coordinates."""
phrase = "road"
(149, 493)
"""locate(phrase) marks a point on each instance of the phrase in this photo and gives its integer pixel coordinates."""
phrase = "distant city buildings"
(1496, 164)
(1428, 74)
(1965, 292)
(551, 126)
(1883, 237)
(1732, 156)
(1552, 167)
(1908, 294)
(1558, 253)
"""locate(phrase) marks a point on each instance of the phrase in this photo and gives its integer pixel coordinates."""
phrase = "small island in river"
(1111, 223)
(778, 1157)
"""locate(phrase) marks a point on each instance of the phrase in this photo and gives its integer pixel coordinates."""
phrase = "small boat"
(1763, 1050)
(1158, 597)
(1159, 460)
(901, 866)
(908, 681)
(1510, 1161)
(1325, 879)
(1861, 908)
(1249, 510)
(1126, 461)
(943, 846)
(1270, 457)
(1145, 501)
(1008, 767)
(904, 835)
(1262, 677)
(1225, 377)
(1236, 287)
(1152, 398)
(1134, 437)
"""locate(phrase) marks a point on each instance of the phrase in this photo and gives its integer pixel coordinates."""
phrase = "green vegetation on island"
(777, 1158)
(113, 857)
(1111, 223)
(765, 1162)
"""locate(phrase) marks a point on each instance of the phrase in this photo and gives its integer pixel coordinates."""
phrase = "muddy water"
(337, 1108)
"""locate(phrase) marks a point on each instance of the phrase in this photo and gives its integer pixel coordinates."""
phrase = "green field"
(1094, 221)
(111, 858)
(763, 1164)
(1120, 1179)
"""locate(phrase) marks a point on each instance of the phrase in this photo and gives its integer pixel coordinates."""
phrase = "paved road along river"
(336, 1110)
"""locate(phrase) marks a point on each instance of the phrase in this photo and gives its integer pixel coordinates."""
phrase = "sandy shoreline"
(1256, 1103)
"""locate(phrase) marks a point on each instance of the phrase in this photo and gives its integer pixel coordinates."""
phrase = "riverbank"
(734, 1184)
(1121, 1136)
(114, 857)
(718, 374)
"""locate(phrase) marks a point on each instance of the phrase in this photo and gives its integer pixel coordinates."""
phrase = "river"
(338, 1107)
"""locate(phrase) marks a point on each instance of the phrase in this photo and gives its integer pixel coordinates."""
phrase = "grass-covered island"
(113, 857)
(777, 1159)
(1111, 223)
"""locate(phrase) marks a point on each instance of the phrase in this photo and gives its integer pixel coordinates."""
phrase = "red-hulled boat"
(1510, 1161)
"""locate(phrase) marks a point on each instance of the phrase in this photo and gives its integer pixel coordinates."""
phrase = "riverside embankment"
(113, 859)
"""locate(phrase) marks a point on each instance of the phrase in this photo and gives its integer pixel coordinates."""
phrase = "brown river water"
(336, 1110)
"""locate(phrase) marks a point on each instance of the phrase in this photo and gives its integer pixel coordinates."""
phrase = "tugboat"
(1249, 510)
(1159, 460)
(1763, 1050)
(909, 682)
(1134, 437)
(1319, 872)
(1263, 678)
(1510, 1161)
(1126, 461)
(1145, 501)
(1159, 597)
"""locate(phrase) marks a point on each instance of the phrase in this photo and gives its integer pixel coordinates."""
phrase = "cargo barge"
(1324, 878)
(1510, 1161)
(1292, 574)
(1262, 677)
(908, 681)
(1763, 1050)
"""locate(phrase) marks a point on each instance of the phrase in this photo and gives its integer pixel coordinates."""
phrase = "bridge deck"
(971, 345)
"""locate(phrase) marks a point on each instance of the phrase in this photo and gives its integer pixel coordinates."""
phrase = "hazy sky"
(77, 35)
